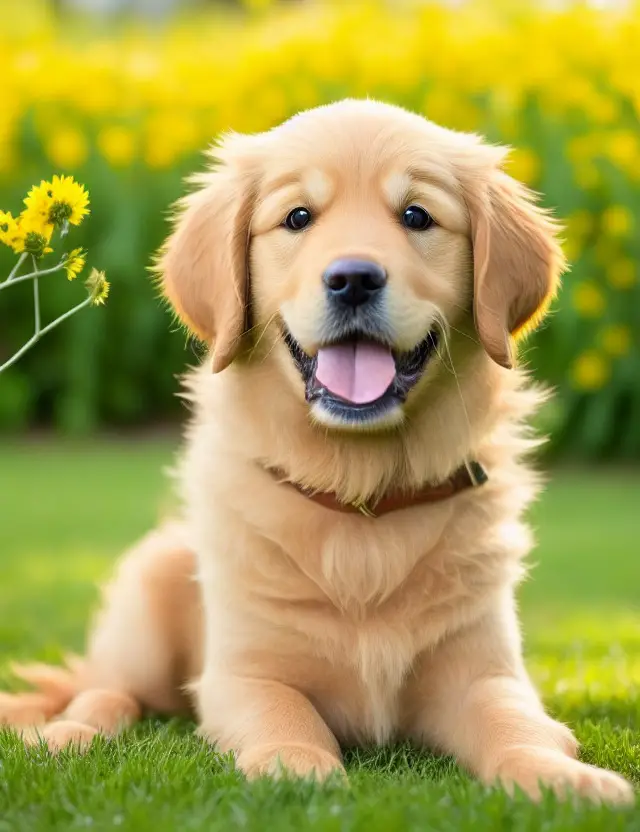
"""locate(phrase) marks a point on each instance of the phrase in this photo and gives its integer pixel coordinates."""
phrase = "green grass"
(67, 509)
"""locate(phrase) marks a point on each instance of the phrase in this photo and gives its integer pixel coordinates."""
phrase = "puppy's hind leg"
(92, 712)
(53, 689)
(143, 648)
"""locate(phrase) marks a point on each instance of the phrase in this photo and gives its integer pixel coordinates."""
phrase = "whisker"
(276, 341)
(258, 326)
(466, 335)
(444, 327)
(262, 334)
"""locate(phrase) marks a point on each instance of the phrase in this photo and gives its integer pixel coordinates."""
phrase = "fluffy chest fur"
(341, 606)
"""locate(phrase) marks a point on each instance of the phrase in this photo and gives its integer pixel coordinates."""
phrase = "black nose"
(354, 282)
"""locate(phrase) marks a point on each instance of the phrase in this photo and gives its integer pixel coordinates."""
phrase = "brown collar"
(468, 475)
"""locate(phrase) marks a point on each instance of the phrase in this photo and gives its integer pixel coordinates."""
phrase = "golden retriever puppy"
(343, 566)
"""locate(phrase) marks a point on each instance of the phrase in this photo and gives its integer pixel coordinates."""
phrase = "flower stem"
(61, 318)
(19, 354)
(36, 305)
(40, 332)
(14, 271)
(31, 275)
(36, 298)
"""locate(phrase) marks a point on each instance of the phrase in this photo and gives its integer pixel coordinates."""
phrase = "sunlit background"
(125, 94)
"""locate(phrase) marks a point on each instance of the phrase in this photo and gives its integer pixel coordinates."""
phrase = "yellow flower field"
(128, 109)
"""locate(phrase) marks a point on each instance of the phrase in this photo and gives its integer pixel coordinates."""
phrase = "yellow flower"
(523, 164)
(617, 221)
(118, 145)
(616, 339)
(70, 200)
(588, 300)
(74, 263)
(67, 147)
(98, 287)
(623, 148)
(61, 200)
(36, 222)
(579, 150)
(438, 105)
(36, 228)
(38, 202)
(34, 234)
(159, 153)
(590, 371)
(10, 233)
(622, 274)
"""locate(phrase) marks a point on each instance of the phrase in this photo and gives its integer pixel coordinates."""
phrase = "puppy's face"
(360, 235)
(360, 248)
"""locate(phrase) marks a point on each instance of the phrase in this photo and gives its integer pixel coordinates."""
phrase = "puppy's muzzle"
(352, 283)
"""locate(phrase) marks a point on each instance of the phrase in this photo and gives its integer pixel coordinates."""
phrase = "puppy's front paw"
(298, 759)
(532, 768)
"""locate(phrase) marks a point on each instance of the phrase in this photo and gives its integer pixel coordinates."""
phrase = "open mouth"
(359, 380)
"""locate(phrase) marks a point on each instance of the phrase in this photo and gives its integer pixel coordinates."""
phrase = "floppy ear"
(203, 266)
(517, 264)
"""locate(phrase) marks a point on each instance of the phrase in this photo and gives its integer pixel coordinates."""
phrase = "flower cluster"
(49, 206)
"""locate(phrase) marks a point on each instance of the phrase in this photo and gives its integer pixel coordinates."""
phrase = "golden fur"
(308, 629)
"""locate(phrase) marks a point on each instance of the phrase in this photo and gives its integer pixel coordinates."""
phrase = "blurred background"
(125, 94)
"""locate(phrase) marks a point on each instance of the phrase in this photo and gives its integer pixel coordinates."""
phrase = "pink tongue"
(359, 373)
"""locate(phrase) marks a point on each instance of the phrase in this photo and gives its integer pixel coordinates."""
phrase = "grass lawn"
(67, 510)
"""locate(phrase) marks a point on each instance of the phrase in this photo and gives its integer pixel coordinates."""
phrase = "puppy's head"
(359, 237)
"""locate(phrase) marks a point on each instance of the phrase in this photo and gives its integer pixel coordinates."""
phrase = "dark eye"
(416, 218)
(298, 219)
